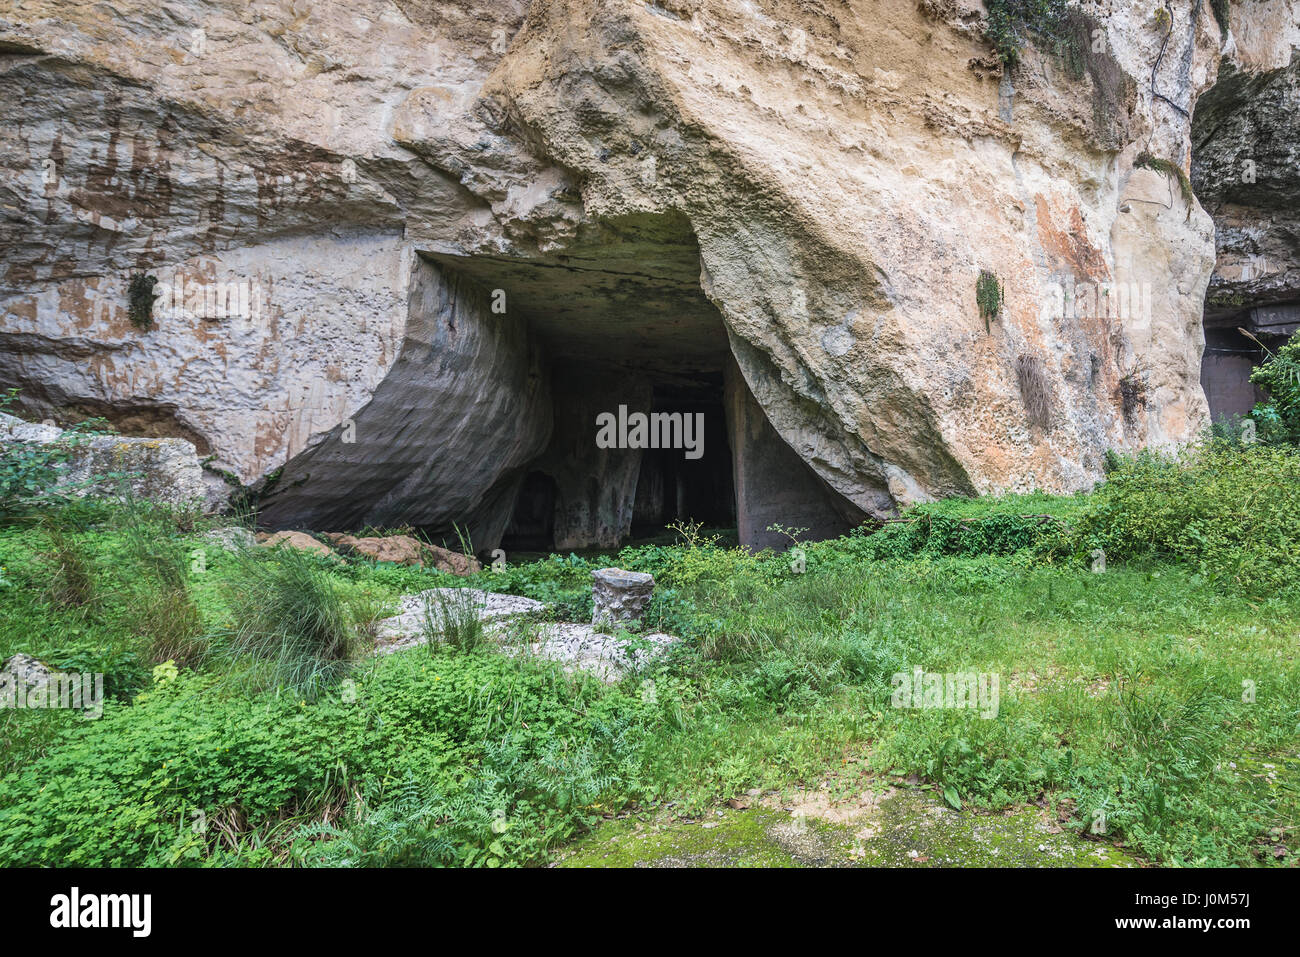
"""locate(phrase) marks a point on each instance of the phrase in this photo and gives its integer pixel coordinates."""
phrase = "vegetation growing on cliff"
(140, 298)
(988, 296)
(1146, 161)
(1013, 23)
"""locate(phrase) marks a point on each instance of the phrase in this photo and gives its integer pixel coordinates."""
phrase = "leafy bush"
(483, 734)
(1278, 419)
(1232, 512)
(969, 527)
(561, 582)
(1013, 23)
(33, 473)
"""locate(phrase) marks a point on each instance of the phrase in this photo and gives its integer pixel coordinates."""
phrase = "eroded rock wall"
(848, 174)
(1246, 170)
(443, 440)
(847, 170)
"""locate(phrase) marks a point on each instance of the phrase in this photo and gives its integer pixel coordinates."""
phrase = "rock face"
(380, 228)
(1246, 170)
(160, 470)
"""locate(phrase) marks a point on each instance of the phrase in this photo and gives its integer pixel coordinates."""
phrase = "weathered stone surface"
(595, 489)
(401, 549)
(608, 657)
(408, 626)
(300, 540)
(1246, 170)
(14, 429)
(230, 537)
(159, 470)
(20, 674)
(828, 183)
(773, 485)
(576, 646)
(618, 595)
(405, 550)
(444, 438)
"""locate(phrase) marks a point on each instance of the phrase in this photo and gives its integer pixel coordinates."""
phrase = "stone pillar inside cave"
(595, 488)
(774, 486)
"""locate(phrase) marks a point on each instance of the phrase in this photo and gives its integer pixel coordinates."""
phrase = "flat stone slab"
(575, 645)
(406, 628)
(608, 657)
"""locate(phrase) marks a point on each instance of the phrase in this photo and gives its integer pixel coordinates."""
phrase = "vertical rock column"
(773, 485)
(595, 489)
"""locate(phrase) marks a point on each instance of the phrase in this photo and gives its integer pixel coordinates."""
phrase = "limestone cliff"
(1246, 170)
(420, 208)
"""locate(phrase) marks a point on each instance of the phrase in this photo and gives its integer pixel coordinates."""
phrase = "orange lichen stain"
(268, 441)
(24, 309)
(73, 303)
(1069, 247)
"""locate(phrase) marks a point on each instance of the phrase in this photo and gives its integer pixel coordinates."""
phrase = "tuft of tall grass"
(156, 568)
(292, 624)
(452, 616)
(71, 582)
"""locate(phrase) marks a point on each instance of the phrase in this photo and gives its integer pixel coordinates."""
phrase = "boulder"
(619, 595)
(405, 550)
(586, 648)
(407, 627)
(165, 470)
(574, 645)
(445, 560)
(299, 540)
(21, 673)
(230, 537)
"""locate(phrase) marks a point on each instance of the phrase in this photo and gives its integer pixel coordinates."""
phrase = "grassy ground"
(1157, 698)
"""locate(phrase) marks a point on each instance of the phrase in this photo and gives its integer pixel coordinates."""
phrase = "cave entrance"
(651, 423)
(671, 487)
(532, 523)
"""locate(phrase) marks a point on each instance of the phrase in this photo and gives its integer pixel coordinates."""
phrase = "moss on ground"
(905, 828)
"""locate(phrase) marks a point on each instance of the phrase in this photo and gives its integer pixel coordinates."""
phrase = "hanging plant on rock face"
(1146, 161)
(140, 298)
(988, 295)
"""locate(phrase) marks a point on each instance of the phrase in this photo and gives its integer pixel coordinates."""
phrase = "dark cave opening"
(629, 338)
(532, 523)
(650, 490)
(567, 402)
(662, 457)
(672, 487)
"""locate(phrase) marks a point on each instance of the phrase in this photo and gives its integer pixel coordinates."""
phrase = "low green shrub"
(1278, 419)
(34, 474)
(1231, 512)
(484, 734)
(1013, 23)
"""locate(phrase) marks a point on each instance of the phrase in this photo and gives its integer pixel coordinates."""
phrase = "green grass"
(1163, 693)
